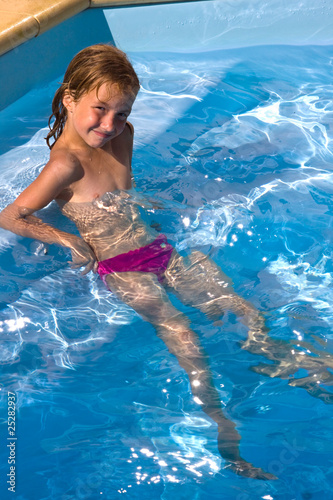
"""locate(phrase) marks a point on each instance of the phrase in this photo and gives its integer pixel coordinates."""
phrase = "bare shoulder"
(122, 146)
(126, 137)
(130, 128)
(65, 164)
(60, 172)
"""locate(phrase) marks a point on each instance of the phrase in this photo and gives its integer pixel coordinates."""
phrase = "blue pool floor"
(239, 156)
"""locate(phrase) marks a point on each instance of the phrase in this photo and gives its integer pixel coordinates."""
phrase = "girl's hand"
(83, 256)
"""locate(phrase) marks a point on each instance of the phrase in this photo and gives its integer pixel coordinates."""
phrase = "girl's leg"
(145, 295)
(200, 283)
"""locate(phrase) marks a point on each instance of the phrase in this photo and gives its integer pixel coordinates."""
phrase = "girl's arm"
(17, 217)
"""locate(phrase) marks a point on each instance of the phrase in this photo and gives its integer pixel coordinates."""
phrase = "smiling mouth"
(102, 134)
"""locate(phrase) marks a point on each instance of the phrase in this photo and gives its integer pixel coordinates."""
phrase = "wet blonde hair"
(88, 70)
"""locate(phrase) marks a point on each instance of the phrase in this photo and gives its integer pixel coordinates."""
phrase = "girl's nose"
(108, 124)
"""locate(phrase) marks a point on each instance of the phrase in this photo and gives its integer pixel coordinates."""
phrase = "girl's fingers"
(89, 267)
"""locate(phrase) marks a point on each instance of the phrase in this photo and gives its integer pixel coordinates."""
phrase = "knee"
(176, 324)
(181, 341)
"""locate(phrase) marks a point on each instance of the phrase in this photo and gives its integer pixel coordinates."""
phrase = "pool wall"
(174, 27)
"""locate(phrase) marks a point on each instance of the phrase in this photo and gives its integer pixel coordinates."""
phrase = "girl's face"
(99, 116)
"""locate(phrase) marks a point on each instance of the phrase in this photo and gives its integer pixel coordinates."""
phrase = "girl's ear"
(68, 101)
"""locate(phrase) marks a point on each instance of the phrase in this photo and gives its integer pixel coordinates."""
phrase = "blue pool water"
(236, 146)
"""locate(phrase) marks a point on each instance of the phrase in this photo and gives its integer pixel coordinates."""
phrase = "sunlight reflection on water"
(239, 155)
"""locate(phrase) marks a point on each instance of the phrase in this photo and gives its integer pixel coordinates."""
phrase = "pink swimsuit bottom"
(152, 258)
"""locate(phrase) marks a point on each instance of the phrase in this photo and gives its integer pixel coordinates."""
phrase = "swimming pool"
(236, 146)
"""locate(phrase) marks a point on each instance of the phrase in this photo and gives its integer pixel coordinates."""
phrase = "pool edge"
(26, 19)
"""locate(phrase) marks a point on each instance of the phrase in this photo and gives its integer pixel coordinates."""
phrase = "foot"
(228, 445)
(245, 469)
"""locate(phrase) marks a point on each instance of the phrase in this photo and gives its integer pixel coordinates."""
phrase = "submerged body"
(89, 175)
(111, 223)
(123, 242)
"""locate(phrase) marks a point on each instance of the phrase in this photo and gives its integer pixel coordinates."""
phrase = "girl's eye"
(100, 107)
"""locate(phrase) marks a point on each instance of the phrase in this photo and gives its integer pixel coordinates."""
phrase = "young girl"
(89, 175)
